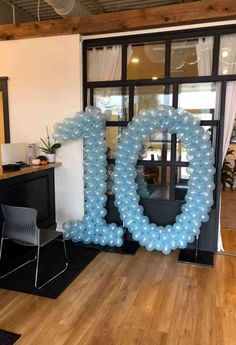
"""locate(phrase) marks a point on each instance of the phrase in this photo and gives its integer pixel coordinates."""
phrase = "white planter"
(50, 157)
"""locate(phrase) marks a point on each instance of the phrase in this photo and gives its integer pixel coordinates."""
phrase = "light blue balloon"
(90, 125)
(127, 182)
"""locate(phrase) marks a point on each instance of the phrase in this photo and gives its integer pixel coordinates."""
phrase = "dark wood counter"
(28, 170)
(31, 187)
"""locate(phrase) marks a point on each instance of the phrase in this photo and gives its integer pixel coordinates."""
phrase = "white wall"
(45, 87)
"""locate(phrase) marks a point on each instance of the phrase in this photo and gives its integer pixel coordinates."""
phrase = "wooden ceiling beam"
(145, 18)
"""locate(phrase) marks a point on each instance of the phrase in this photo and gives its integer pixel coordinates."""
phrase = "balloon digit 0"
(199, 196)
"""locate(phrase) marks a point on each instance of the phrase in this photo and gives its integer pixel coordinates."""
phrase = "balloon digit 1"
(90, 126)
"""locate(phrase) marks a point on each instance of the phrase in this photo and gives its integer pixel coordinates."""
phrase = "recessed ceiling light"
(135, 60)
(154, 78)
(225, 71)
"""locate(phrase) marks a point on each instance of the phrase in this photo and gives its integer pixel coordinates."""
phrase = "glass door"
(125, 76)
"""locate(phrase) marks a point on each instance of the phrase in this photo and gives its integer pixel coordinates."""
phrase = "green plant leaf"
(47, 146)
(45, 150)
(55, 146)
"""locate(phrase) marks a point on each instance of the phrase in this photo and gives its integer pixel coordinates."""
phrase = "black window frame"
(4, 90)
(216, 33)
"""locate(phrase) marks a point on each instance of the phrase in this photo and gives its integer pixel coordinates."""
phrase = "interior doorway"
(4, 112)
(2, 130)
(228, 198)
(4, 115)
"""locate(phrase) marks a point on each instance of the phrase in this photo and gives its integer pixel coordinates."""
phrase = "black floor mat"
(51, 262)
(8, 338)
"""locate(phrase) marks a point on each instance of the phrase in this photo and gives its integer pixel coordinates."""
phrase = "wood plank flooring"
(228, 220)
(229, 240)
(228, 209)
(146, 299)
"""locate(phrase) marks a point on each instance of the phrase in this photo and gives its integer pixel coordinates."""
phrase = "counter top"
(28, 170)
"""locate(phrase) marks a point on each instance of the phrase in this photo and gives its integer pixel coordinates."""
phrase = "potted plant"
(48, 148)
(227, 174)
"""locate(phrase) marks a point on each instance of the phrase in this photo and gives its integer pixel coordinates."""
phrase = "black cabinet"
(35, 190)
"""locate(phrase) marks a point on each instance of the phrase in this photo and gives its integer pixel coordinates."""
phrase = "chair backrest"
(20, 224)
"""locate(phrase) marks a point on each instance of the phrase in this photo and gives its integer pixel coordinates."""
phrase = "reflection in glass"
(157, 148)
(146, 61)
(227, 57)
(153, 181)
(200, 99)
(113, 102)
(113, 134)
(212, 131)
(181, 153)
(146, 97)
(104, 63)
(88, 97)
(110, 169)
(191, 57)
(181, 182)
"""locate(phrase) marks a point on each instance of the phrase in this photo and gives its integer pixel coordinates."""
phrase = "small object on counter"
(31, 152)
(43, 160)
(11, 167)
(36, 161)
(22, 164)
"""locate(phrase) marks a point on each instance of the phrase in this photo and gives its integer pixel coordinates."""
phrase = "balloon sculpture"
(90, 125)
(199, 198)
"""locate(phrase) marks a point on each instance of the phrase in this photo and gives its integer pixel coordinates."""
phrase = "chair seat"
(47, 236)
(20, 226)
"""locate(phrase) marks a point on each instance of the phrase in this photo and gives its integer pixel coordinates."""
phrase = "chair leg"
(65, 251)
(1, 245)
(37, 267)
(55, 276)
(18, 267)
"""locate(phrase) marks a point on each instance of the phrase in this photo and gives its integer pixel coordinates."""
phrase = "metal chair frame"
(37, 258)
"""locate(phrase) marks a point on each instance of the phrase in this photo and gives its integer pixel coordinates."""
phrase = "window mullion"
(131, 102)
(216, 52)
(167, 58)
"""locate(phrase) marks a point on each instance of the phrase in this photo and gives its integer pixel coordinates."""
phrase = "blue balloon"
(127, 182)
(90, 125)
(130, 184)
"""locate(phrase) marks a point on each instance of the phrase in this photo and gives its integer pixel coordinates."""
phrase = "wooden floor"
(229, 240)
(228, 209)
(228, 220)
(146, 299)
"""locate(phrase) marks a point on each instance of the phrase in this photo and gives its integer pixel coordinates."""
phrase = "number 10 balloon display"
(90, 125)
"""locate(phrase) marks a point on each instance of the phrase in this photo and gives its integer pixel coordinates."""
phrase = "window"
(200, 99)
(227, 56)
(113, 134)
(146, 97)
(139, 56)
(190, 70)
(191, 57)
(104, 63)
(113, 102)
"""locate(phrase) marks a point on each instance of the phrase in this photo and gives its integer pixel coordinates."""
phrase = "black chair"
(20, 226)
